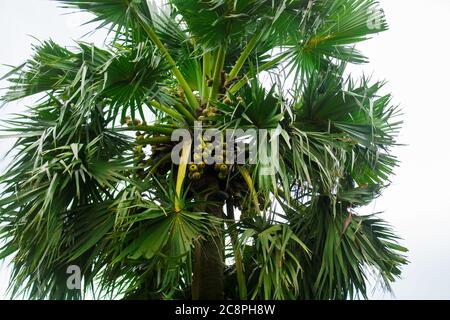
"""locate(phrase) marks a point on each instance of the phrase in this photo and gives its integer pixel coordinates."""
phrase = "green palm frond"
(61, 165)
(276, 266)
(124, 80)
(117, 13)
(331, 32)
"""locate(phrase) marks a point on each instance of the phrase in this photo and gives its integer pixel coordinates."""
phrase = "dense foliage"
(81, 190)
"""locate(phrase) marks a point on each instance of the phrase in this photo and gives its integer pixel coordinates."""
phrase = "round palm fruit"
(137, 122)
(223, 168)
(139, 149)
(196, 176)
(205, 111)
(126, 119)
(222, 176)
(214, 109)
(202, 165)
(193, 168)
(217, 167)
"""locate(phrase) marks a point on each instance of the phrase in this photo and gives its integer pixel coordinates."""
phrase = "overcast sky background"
(413, 56)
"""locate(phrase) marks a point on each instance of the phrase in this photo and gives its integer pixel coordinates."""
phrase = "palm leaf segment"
(81, 191)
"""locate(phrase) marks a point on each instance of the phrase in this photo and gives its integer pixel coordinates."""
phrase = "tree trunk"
(208, 277)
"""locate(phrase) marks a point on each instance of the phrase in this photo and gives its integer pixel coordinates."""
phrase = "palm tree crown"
(92, 182)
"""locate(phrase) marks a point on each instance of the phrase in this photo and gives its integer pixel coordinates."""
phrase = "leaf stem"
(149, 128)
(237, 253)
(158, 164)
(182, 174)
(180, 108)
(218, 68)
(193, 103)
(154, 140)
(248, 179)
(206, 75)
(244, 56)
(266, 66)
(174, 114)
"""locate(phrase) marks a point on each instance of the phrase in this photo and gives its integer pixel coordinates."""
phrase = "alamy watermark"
(231, 146)
(74, 279)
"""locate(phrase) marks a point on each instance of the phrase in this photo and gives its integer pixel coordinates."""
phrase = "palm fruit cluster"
(222, 169)
(139, 155)
(206, 150)
(138, 151)
(132, 123)
(196, 170)
(206, 113)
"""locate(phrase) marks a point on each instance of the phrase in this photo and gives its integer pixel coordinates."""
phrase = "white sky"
(413, 56)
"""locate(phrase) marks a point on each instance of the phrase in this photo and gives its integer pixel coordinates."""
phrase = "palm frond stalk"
(92, 182)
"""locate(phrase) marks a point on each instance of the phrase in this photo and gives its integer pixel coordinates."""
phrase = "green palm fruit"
(139, 149)
(222, 176)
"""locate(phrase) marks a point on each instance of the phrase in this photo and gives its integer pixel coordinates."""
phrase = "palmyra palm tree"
(81, 190)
